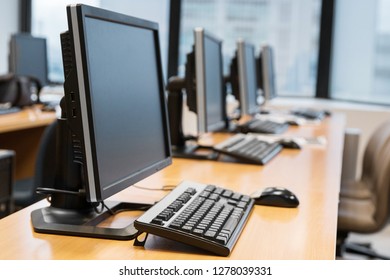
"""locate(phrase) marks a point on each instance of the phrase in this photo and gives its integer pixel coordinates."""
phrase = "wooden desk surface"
(306, 232)
(27, 118)
(22, 133)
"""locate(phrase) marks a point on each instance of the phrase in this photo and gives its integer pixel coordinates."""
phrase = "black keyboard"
(204, 216)
(247, 148)
(263, 126)
(5, 111)
(310, 114)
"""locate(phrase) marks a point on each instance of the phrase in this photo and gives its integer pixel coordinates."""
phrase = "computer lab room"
(195, 130)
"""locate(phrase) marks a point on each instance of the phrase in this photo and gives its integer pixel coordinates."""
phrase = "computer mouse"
(264, 112)
(276, 196)
(327, 113)
(292, 123)
(290, 144)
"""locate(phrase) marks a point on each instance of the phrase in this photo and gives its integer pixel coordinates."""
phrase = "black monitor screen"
(209, 82)
(268, 72)
(247, 78)
(28, 57)
(213, 85)
(251, 79)
(121, 101)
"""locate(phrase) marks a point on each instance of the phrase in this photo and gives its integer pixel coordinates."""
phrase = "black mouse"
(292, 123)
(264, 112)
(276, 196)
(327, 113)
(290, 144)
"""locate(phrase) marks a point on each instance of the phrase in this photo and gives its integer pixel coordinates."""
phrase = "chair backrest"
(7, 158)
(376, 172)
(350, 154)
(24, 193)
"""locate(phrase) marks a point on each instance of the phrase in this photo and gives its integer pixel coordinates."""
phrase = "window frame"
(325, 49)
(25, 16)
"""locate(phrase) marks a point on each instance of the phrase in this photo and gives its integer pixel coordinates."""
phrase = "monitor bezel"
(245, 102)
(200, 75)
(76, 19)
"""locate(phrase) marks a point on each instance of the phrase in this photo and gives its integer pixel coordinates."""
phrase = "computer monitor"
(266, 83)
(205, 94)
(242, 78)
(113, 131)
(28, 57)
(266, 73)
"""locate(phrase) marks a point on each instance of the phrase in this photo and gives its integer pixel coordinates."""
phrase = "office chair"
(24, 193)
(350, 187)
(367, 212)
(7, 162)
(350, 154)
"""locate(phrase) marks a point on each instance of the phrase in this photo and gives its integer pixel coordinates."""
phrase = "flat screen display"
(247, 72)
(251, 82)
(204, 82)
(28, 57)
(122, 100)
(213, 83)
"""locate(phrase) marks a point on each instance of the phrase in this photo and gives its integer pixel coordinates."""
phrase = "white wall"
(9, 23)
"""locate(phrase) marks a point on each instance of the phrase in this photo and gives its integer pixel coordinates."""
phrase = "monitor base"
(195, 152)
(84, 222)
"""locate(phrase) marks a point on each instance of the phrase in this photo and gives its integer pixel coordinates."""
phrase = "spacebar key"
(227, 230)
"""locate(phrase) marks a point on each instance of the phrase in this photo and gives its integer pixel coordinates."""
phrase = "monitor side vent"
(67, 55)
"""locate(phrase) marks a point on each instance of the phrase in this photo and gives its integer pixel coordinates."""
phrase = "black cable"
(108, 209)
(142, 208)
(164, 188)
(49, 191)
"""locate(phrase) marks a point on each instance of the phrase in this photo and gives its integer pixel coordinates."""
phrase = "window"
(290, 26)
(49, 20)
(361, 51)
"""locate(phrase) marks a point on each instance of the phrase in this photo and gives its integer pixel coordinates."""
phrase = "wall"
(9, 23)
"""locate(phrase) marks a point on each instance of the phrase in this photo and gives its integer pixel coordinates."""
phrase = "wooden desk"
(307, 232)
(22, 132)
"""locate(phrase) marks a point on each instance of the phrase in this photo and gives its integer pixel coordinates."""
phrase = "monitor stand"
(69, 212)
(181, 145)
(83, 222)
(194, 152)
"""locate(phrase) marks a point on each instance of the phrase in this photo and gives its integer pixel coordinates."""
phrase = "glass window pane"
(49, 20)
(361, 51)
(290, 26)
